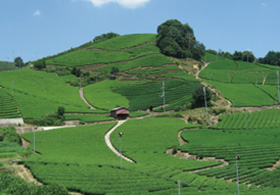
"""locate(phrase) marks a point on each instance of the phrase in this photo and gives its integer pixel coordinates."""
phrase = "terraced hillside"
(142, 70)
(79, 159)
(264, 119)
(243, 83)
(39, 93)
(254, 136)
(8, 106)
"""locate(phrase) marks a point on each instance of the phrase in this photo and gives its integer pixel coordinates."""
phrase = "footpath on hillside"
(110, 145)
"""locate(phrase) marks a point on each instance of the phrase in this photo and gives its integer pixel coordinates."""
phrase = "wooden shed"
(120, 113)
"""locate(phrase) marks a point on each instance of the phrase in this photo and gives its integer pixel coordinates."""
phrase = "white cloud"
(125, 3)
(37, 13)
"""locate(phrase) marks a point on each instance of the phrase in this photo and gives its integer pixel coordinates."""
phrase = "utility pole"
(246, 119)
(35, 128)
(278, 85)
(120, 136)
(179, 186)
(163, 95)
(206, 111)
(237, 159)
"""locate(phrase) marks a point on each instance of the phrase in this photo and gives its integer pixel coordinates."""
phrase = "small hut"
(120, 113)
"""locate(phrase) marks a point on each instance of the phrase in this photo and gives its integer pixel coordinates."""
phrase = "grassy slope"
(38, 93)
(122, 42)
(241, 82)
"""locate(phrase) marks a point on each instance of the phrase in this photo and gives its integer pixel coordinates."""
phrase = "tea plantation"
(241, 82)
(79, 159)
(168, 153)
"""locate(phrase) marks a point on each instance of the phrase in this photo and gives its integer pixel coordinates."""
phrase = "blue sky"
(33, 29)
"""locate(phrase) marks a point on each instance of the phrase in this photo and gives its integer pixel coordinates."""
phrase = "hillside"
(138, 82)
(169, 154)
(243, 83)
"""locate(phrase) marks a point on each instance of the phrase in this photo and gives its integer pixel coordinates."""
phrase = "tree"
(178, 40)
(61, 111)
(76, 71)
(272, 58)
(18, 62)
(198, 96)
(105, 37)
(248, 56)
(228, 55)
(237, 56)
(40, 64)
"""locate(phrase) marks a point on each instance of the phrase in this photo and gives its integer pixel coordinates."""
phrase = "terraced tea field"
(264, 119)
(79, 159)
(8, 106)
(243, 83)
(258, 150)
(39, 93)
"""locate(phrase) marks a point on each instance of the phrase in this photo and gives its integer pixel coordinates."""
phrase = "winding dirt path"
(186, 155)
(81, 91)
(110, 145)
(264, 79)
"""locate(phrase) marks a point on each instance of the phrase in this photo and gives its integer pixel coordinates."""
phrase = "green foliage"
(246, 56)
(237, 56)
(18, 62)
(61, 111)
(211, 51)
(40, 64)
(271, 57)
(199, 97)
(11, 184)
(104, 37)
(76, 71)
(53, 119)
(178, 40)
(9, 134)
(114, 70)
